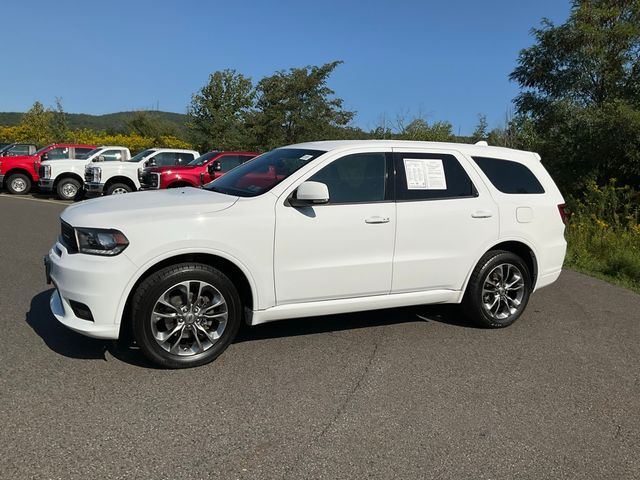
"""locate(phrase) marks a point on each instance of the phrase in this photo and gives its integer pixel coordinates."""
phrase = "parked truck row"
(73, 170)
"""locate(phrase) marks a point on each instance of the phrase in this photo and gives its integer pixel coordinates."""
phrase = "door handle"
(482, 214)
(377, 219)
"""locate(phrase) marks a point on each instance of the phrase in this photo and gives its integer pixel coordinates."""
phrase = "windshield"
(142, 155)
(202, 159)
(261, 174)
(84, 156)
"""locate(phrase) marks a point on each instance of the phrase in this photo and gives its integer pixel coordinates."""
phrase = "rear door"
(446, 220)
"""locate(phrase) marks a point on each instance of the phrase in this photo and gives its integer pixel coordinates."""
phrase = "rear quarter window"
(508, 176)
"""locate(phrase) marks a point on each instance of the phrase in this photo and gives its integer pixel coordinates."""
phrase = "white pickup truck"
(65, 177)
(122, 177)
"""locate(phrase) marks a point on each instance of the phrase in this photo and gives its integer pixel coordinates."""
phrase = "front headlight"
(98, 241)
(93, 174)
(46, 172)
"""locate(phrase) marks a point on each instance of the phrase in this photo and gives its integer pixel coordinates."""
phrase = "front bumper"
(94, 281)
(94, 188)
(45, 184)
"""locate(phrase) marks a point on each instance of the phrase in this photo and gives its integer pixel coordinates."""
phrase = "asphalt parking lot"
(403, 393)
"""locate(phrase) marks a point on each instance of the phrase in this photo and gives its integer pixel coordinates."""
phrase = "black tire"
(510, 303)
(118, 188)
(69, 189)
(155, 286)
(18, 184)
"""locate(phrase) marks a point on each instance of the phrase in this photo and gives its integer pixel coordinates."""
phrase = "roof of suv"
(475, 150)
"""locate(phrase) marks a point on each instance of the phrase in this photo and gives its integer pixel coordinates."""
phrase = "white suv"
(122, 177)
(65, 176)
(310, 229)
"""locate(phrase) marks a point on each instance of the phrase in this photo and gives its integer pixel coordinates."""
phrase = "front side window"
(165, 159)
(58, 153)
(83, 152)
(112, 155)
(508, 176)
(262, 173)
(142, 155)
(202, 159)
(229, 162)
(429, 176)
(357, 178)
(18, 150)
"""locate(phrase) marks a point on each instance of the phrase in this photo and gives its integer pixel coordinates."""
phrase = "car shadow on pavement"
(58, 337)
(447, 314)
(73, 345)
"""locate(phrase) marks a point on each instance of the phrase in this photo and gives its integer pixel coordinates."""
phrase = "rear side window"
(508, 176)
(429, 176)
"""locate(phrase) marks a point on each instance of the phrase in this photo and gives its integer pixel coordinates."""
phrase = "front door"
(344, 248)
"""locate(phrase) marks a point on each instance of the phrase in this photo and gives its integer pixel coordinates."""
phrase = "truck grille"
(149, 179)
(68, 237)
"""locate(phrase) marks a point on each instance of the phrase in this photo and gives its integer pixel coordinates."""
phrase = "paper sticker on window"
(306, 157)
(425, 174)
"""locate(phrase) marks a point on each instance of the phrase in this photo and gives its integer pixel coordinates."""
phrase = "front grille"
(68, 237)
(149, 179)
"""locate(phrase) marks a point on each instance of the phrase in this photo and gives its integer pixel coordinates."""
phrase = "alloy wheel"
(503, 291)
(189, 318)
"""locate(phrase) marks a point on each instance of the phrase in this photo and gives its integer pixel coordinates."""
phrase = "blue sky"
(444, 60)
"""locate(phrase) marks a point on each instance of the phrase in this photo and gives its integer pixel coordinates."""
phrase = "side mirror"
(309, 194)
(214, 166)
(45, 156)
(100, 158)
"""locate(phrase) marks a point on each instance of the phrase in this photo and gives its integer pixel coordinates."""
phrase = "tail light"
(564, 212)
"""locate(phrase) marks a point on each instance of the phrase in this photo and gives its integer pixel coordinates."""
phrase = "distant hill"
(110, 122)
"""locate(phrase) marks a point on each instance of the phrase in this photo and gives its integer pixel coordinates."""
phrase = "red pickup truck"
(19, 173)
(203, 169)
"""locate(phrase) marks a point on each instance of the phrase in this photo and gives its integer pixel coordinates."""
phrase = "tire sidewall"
(65, 181)
(486, 265)
(118, 185)
(26, 179)
(159, 284)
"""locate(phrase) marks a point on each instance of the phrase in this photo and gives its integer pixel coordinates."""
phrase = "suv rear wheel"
(185, 315)
(498, 290)
(18, 184)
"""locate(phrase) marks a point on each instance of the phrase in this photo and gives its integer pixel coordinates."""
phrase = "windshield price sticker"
(425, 174)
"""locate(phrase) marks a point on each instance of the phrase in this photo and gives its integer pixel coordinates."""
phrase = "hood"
(118, 211)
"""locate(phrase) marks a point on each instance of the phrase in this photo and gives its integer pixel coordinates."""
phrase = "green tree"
(218, 112)
(58, 122)
(419, 129)
(581, 89)
(36, 124)
(296, 106)
(480, 132)
(148, 124)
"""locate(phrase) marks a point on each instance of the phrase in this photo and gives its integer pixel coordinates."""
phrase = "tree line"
(578, 106)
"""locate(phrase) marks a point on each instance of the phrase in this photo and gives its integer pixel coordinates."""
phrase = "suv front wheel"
(498, 290)
(185, 315)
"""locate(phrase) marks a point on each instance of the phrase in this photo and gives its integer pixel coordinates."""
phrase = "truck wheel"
(18, 184)
(498, 290)
(118, 189)
(69, 189)
(185, 315)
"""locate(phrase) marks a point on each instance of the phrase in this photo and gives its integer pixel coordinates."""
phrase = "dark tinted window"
(19, 150)
(58, 153)
(165, 158)
(112, 155)
(509, 177)
(357, 178)
(184, 158)
(227, 162)
(424, 176)
(83, 151)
